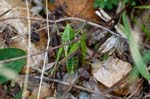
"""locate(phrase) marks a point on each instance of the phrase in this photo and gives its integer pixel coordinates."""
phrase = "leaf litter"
(94, 64)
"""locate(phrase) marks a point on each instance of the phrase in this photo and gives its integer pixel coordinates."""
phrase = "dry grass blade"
(46, 53)
(29, 50)
(8, 10)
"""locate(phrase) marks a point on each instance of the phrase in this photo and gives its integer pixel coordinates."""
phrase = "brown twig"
(73, 82)
(69, 18)
(75, 86)
(8, 10)
(67, 84)
(52, 48)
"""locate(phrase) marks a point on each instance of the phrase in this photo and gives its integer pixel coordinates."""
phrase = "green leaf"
(126, 26)
(109, 4)
(98, 3)
(13, 66)
(68, 34)
(115, 2)
(133, 3)
(139, 63)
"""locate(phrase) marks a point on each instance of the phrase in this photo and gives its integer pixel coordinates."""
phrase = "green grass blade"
(143, 7)
(139, 63)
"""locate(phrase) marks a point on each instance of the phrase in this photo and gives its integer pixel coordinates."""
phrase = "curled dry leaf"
(110, 44)
(114, 44)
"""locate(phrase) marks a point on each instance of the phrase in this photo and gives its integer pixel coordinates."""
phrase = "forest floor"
(74, 49)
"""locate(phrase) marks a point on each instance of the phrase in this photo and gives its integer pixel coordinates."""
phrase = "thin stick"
(67, 84)
(77, 87)
(31, 18)
(52, 48)
(29, 52)
(7, 11)
(73, 82)
(69, 18)
(46, 53)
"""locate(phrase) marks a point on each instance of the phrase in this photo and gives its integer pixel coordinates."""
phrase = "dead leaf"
(111, 71)
(45, 92)
(110, 44)
(129, 87)
(79, 8)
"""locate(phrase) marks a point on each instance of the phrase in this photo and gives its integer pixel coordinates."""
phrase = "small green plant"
(105, 3)
(68, 50)
(109, 4)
